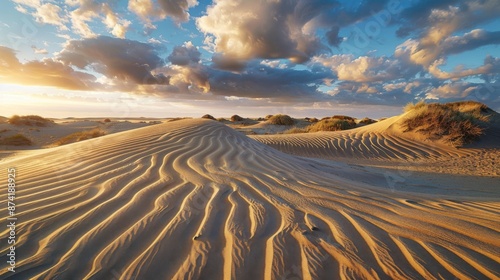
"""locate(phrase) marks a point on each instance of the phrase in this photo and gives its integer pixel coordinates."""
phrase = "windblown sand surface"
(193, 199)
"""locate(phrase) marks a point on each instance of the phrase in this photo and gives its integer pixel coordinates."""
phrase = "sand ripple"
(194, 199)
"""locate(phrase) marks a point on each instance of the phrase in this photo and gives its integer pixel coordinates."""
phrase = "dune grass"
(207, 116)
(457, 123)
(331, 124)
(80, 136)
(280, 119)
(29, 120)
(236, 118)
(16, 140)
(367, 120)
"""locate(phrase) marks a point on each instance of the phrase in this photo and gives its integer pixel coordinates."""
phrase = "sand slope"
(194, 199)
(382, 140)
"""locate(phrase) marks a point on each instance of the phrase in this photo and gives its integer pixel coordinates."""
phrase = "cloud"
(185, 54)
(441, 21)
(491, 65)
(121, 59)
(87, 10)
(149, 11)
(245, 30)
(39, 51)
(365, 68)
(262, 81)
(453, 90)
(51, 14)
(46, 72)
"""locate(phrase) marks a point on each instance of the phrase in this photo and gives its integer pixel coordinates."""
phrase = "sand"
(194, 199)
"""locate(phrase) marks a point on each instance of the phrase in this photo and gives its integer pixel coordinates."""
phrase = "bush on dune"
(294, 130)
(367, 121)
(280, 119)
(331, 125)
(16, 140)
(345, 118)
(30, 120)
(236, 118)
(80, 136)
(457, 123)
(207, 116)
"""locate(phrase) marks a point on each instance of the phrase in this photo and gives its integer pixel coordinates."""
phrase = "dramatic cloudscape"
(162, 58)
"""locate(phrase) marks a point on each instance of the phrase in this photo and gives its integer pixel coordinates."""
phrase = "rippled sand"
(193, 199)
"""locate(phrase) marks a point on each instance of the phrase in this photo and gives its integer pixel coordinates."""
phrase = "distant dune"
(194, 199)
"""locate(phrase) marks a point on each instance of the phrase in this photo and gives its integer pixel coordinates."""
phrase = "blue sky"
(162, 58)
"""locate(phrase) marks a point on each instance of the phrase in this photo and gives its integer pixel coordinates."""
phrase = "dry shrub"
(295, 130)
(221, 119)
(342, 117)
(457, 123)
(280, 119)
(236, 118)
(331, 125)
(367, 121)
(313, 120)
(411, 106)
(268, 117)
(30, 120)
(207, 116)
(80, 136)
(16, 140)
(107, 120)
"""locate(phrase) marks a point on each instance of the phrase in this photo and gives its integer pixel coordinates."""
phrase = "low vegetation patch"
(367, 121)
(457, 123)
(207, 116)
(16, 140)
(280, 119)
(344, 118)
(30, 120)
(236, 118)
(331, 125)
(294, 130)
(80, 136)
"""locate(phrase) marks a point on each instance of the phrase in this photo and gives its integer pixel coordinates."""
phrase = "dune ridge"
(194, 199)
(383, 140)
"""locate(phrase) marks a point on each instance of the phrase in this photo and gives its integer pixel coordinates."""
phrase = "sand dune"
(193, 199)
(383, 140)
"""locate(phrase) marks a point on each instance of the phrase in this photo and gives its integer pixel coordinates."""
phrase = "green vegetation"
(80, 136)
(16, 140)
(457, 123)
(30, 120)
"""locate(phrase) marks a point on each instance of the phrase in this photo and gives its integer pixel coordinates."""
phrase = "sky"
(166, 58)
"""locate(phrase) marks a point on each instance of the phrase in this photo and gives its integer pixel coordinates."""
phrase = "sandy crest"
(194, 199)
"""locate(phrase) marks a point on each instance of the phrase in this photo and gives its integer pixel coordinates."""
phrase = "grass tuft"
(80, 136)
(30, 120)
(16, 140)
(457, 123)
(280, 119)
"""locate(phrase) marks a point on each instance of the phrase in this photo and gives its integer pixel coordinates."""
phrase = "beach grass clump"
(29, 120)
(295, 130)
(281, 119)
(366, 121)
(80, 136)
(207, 116)
(236, 118)
(16, 140)
(457, 123)
(331, 124)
